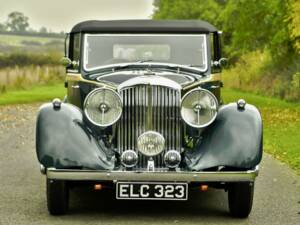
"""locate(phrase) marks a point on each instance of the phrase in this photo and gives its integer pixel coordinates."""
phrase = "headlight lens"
(199, 108)
(151, 143)
(103, 107)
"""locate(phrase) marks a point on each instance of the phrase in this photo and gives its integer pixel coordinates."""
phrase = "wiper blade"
(150, 65)
(126, 65)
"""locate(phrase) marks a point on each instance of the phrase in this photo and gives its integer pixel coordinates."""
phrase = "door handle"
(75, 86)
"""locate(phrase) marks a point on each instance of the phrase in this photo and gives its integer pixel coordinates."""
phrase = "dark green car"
(144, 115)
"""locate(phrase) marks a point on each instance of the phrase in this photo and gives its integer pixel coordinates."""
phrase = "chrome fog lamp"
(129, 158)
(172, 159)
(199, 108)
(151, 143)
(103, 107)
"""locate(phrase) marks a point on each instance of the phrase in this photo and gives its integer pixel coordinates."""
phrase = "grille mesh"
(145, 108)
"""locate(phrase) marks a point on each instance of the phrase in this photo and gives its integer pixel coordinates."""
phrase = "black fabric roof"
(145, 26)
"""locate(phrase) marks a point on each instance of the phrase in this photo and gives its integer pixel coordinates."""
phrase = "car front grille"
(147, 107)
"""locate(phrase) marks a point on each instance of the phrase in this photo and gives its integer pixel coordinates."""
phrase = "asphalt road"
(23, 200)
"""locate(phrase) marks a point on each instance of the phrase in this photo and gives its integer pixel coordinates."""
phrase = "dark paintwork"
(144, 26)
(233, 140)
(63, 141)
(120, 77)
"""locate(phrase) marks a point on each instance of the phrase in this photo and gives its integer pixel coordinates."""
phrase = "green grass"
(35, 94)
(281, 121)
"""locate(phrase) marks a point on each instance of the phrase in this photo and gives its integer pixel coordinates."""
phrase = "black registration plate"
(152, 190)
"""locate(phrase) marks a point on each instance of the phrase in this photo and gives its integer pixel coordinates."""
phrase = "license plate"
(152, 191)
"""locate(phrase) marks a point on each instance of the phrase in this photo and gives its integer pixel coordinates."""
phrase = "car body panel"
(64, 141)
(233, 140)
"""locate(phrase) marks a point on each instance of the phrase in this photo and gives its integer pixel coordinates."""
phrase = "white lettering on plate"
(123, 190)
(132, 194)
(144, 191)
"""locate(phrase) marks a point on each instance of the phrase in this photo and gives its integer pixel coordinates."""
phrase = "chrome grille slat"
(162, 104)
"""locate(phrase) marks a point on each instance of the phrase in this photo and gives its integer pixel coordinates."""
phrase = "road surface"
(23, 200)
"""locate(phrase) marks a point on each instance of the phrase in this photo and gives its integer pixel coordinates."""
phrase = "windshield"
(103, 49)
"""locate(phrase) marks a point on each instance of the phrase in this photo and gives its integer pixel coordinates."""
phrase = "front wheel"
(240, 198)
(57, 197)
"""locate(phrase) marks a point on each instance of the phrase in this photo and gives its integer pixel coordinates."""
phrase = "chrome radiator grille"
(145, 108)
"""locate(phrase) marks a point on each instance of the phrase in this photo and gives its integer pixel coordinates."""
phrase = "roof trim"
(144, 26)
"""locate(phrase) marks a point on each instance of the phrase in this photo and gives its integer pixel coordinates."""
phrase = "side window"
(76, 47)
(74, 52)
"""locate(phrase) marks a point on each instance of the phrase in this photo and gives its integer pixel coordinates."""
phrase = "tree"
(294, 23)
(17, 22)
(2, 27)
(43, 30)
(193, 9)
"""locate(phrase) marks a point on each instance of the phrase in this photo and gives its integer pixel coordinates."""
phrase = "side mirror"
(220, 63)
(223, 62)
(66, 62)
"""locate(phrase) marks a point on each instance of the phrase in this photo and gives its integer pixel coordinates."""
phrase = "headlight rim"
(217, 107)
(93, 92)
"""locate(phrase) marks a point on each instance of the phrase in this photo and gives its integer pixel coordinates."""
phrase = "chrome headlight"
(151, 143)
(103, 107)
(129, 158)
(172, 158)
(199, 108)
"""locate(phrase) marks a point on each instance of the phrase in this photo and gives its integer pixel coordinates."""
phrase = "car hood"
(118, 78)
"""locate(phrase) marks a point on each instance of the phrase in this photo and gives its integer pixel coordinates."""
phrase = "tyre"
(240, 198)
(57, 197)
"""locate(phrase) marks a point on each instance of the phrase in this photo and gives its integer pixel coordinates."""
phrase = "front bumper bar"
(94, 175)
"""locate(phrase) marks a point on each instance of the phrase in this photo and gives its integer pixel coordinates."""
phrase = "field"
(27, 61)
(36, 94)
(17, 40)
(16, 43)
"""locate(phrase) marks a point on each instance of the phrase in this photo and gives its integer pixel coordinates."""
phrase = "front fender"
(63, 140)
(233, 140)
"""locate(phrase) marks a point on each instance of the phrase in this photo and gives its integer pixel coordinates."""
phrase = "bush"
(256, 72)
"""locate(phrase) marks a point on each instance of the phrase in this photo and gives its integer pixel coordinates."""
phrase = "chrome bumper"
(94, 175)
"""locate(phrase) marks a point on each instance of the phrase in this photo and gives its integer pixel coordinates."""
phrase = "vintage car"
(144, 115)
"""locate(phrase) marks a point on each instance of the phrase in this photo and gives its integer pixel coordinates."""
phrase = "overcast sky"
(61, 15)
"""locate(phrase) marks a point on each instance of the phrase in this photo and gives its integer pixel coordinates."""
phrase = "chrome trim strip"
(90, 175)
(85, 46)
(152, 80)
(208, 78)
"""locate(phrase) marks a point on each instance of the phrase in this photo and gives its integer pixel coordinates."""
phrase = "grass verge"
(281, 121)
(35, 94)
